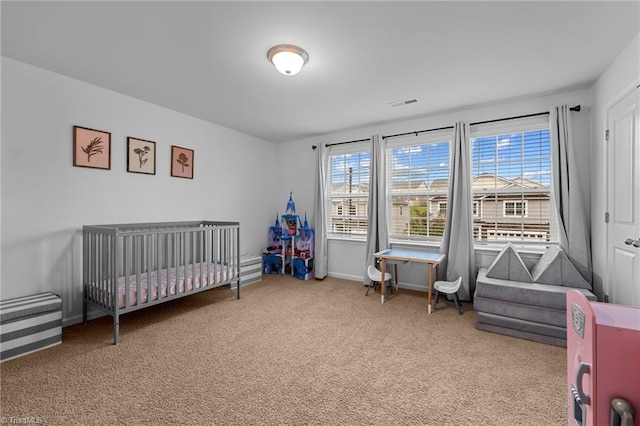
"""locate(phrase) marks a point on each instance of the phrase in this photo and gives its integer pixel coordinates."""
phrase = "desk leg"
(395, 274)
(437, 279)
(383, 267)
(430, 271)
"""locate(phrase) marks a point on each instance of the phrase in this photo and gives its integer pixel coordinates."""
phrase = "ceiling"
(208, 59)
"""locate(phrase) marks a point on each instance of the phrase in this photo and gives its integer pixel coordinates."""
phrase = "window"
(417, 186)
(476, 208)
(511, 184)
(515, 208)
(349, 190)
(511, 172)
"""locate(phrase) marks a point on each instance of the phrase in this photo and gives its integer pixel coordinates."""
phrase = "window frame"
(362, 199)
(529, 236)
(409, 142)
(481, 201)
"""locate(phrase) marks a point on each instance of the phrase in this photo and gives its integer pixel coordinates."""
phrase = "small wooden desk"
(411, 256)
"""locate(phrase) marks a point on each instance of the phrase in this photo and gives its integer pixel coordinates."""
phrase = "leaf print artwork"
(93, 148)
(183, 160)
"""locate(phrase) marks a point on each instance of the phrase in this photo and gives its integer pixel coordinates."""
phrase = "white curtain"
(377, 234)
(319, 213)
(457, 241)
(573, 229)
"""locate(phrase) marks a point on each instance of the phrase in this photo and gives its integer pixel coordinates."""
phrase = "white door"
(623, 164)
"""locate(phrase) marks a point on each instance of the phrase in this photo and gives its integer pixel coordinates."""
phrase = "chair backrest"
(458, 284)
(448, 287)
(374, 274)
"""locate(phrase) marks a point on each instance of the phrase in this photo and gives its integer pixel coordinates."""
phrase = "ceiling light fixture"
(287, 58)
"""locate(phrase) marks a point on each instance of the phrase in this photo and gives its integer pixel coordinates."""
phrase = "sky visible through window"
(510, 156)
(426, 162)
(355, 166)
(515, 155)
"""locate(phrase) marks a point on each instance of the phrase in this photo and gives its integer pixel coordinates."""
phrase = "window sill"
(434, 246)
(431, 245)
(345, 239)
(495, 248)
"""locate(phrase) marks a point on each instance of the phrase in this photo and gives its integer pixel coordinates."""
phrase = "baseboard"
(407, 286)
(77, 319)
(244, 284)
(345, 276)
(414, 287)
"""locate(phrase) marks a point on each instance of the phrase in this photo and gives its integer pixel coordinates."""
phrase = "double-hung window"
(348, 190)
(511, 182)
(418, 186)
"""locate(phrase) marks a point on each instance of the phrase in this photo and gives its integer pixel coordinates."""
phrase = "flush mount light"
(287, 58)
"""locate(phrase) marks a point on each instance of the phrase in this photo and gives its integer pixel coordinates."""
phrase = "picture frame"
(91, 148)
(141, 156)
(182, 162)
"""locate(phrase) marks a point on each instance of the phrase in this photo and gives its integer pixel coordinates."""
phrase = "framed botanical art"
(91, 148)
(141, 156)
(181, 162)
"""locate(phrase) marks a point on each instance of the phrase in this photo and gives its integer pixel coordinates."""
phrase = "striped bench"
(250, 269)
(29, 324)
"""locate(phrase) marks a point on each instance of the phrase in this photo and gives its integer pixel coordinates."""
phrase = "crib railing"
(155, 262)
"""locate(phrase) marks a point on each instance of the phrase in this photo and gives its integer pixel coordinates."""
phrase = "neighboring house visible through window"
(417, 186)
(348, 190)
(511, 172)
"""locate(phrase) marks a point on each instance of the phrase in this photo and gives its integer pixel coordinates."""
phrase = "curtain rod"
(418, 131)
(343, 143)
(575, 108)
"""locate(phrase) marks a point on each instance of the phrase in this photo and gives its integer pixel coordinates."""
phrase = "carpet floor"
(289, 352)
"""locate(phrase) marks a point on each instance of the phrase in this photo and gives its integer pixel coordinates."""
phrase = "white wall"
(347, 258)
(618, 79)
(46, 201)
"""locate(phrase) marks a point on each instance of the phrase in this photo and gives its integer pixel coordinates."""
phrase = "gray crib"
(127, 267)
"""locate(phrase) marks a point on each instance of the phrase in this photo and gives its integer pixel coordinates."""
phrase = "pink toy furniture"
(603, 362)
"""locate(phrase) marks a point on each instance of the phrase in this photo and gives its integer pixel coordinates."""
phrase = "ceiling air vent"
(401, 103)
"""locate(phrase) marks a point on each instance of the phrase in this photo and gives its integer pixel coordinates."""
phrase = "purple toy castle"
(291, 245)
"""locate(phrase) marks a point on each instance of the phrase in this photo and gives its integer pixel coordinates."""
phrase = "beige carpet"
(290, 352)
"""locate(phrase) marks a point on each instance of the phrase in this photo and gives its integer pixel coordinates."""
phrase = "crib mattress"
(181, 278)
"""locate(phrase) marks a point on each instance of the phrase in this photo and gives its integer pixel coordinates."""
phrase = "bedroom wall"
(347, 257)
(615, 82)
(46, 201)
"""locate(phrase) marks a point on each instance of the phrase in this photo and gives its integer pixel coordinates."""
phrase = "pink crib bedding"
(212, 273)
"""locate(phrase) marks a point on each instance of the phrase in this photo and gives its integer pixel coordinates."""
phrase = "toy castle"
(291, 245)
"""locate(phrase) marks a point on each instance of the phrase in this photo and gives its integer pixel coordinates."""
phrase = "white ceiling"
(208, 59)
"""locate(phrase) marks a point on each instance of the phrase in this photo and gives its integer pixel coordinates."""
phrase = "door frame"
(630, 88)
